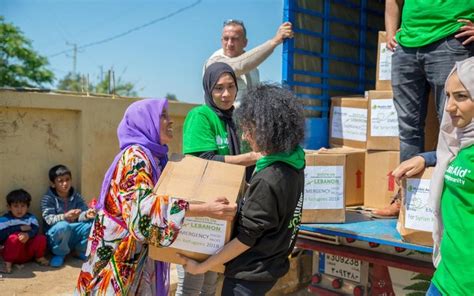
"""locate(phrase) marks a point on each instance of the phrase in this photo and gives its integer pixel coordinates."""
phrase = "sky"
(164, 57)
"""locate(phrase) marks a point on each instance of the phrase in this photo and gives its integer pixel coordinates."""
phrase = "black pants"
(245, 288)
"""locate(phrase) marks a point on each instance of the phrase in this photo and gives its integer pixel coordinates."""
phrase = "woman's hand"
(409, 168)
(219, 208)
(192, 266)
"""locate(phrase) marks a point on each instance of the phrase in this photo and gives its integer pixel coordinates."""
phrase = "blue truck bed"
(361, 227)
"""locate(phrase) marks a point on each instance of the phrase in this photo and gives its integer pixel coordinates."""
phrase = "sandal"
(42, 261)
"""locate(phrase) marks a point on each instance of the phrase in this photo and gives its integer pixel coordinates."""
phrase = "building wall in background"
(40, 130)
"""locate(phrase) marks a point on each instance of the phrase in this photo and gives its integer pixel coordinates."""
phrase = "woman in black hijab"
(209, 132)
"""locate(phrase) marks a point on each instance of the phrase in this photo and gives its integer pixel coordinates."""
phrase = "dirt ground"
(32, 279)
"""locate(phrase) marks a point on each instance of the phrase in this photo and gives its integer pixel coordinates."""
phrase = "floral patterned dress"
(132, 217)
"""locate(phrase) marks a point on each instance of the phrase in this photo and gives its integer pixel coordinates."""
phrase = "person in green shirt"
(209, 132)
(452, 187)
(427, 37)
(269, 214)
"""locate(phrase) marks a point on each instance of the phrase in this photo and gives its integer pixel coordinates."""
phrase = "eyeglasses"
(233, 22)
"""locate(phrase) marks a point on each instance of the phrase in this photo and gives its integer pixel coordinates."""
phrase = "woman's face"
(460, 104)
(166, 128)
(224, 92)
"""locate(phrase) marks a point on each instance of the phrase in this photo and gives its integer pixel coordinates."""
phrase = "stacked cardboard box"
(384, 64)
(369, 123)
(334, 179)
(415, 222)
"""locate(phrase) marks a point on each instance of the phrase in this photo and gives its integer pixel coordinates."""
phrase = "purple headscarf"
(141, 126)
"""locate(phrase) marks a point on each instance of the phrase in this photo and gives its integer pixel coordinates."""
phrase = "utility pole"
(74, 56)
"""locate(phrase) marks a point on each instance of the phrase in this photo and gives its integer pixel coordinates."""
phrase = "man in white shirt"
(234, 41)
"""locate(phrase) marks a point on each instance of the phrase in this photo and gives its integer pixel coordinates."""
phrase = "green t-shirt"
(455, 272)
(204, 131)
(426, 21)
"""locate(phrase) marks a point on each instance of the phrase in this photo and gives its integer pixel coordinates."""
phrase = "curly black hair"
(274, 116)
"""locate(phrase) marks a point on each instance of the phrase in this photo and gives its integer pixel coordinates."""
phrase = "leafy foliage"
(20, 64)
(77, 83)
(171, 97)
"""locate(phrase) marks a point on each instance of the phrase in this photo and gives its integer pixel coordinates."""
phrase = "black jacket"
(268, 221)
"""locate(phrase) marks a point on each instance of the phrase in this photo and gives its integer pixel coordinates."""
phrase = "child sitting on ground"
(19, 232)
(67, 219)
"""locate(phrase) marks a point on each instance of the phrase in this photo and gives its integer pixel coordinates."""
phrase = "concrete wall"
(40, 130)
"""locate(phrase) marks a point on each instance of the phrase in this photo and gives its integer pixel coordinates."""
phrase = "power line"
(130, 30)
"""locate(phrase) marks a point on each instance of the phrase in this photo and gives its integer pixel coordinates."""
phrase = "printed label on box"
(385, 62)
(349, 123)
(202, 235)
(383, 118)
(324, 187)
(419, 213)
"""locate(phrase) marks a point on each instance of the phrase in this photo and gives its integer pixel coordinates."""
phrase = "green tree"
(171, 97)
(20, 64)
(77, 83)
(124, 89)
(72, 82)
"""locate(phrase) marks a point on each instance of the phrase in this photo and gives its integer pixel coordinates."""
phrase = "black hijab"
(210, 78)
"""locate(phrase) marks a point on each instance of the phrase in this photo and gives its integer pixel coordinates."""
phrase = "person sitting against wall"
(130, 216)
(210, 132)
(452, 186)
(67, 218)
(19, 232)
(269, 214)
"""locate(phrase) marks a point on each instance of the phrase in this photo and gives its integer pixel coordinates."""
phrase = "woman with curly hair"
(130, 216)
(270, 213)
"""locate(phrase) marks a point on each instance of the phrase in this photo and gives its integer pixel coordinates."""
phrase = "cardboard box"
(333, 179)
(348, 122)
(379, 185)
(199, 180)
(384, 64)
(415, 222)
(382, 127)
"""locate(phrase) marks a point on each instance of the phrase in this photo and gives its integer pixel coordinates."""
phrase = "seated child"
(67, 218)
(19, 232)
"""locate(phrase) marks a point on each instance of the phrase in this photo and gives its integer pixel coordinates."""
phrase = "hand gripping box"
(334, 178)
(415, 222)
(198, 180)
(348, 122)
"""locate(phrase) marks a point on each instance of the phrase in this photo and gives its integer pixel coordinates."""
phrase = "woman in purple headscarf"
(130, 215)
